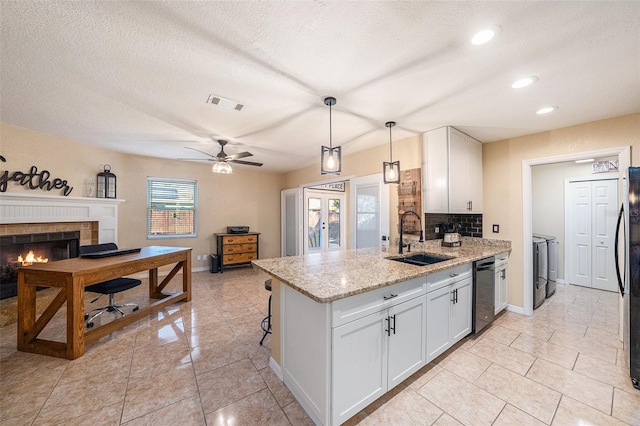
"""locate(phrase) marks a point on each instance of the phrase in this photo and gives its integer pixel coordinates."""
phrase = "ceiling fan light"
(222, 167)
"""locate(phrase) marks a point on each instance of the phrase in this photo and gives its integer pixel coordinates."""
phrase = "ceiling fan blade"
(201, 152)
(239, 155)
(197, 159)
(248, 163)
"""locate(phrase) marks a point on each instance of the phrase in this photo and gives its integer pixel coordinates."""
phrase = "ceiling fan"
(222, 159)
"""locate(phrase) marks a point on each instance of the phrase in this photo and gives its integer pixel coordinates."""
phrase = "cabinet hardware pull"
(390, 296)
(388, 329)
(394, 324)
(456, 295)
(453, 275)
(504, 275)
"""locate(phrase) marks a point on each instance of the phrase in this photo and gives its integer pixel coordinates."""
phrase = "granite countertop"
(326, 277)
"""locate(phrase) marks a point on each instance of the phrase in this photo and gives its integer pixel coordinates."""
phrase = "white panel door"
(580, 226)
(369, 212)
(438, 311)
(605, 205)
(461, 308)
(593, 218)
(290, 200)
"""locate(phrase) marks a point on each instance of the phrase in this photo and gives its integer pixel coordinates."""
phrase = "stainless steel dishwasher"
(483, 293)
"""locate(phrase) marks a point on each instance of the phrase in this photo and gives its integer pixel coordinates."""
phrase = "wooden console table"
(71, 276)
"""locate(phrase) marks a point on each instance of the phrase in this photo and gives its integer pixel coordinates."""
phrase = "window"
(171, 208)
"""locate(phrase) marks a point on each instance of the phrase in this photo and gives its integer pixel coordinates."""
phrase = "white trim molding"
(30, 208)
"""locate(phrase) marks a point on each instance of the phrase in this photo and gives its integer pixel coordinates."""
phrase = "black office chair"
(110, 287)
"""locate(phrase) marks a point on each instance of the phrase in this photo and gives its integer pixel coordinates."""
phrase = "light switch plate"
(496, 228)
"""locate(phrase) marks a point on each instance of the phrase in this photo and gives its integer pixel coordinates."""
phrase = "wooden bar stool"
(266, 322)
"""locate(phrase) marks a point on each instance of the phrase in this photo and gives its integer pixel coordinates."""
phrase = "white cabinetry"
(374, 353)
(502, 285)
(452, 172)
(449, 309)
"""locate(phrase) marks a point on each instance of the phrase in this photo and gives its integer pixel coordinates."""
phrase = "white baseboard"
(276, 368)
(515, 309)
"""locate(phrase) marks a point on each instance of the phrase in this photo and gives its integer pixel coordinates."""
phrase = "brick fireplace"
(95, 220)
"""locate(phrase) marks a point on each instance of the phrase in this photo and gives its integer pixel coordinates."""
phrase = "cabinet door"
(359, 361)
(474, 175)
(407, 339)
(438, 303)
(435, 171)
(461, 310)
(458, 170)
(504, 292)
(498, 291)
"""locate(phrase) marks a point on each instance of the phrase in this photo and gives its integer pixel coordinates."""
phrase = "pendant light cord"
(390, 146)
(330, 129)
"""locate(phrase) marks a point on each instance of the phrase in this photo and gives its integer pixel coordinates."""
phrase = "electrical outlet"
(198, 257)
(496, 228)
(437, 230)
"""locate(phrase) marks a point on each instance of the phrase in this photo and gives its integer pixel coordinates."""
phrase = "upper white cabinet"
(451, 172)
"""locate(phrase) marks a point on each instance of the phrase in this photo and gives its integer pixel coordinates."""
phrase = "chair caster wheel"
(90, 325)
(136, 308)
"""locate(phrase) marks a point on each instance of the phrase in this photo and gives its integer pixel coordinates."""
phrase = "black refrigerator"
(627, 253)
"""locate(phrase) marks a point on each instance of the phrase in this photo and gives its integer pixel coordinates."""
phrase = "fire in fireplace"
(25, 250)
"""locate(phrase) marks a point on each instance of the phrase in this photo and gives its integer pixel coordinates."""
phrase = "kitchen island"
(348, 326)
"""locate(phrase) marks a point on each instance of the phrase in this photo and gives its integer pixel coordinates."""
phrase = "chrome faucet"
(401, 222)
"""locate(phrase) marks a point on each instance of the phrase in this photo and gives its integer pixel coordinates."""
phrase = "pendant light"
(330, 157)
(391, 169)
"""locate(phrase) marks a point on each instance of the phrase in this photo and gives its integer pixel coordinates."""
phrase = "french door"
(324, 221)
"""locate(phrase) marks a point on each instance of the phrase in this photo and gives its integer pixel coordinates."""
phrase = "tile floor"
(200, 363)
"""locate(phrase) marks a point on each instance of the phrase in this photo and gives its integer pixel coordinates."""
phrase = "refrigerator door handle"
(615, 249)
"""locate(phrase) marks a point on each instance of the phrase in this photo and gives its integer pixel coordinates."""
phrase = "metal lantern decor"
(330, 156)
(106, 183)
(391, 169)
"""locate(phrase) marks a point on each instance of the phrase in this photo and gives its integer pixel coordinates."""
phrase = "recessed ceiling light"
(485, 35)
(546, 110)
(524, 82)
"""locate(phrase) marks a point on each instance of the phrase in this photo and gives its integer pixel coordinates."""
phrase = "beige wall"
(246, 197)
(502, 176)
(367, 162)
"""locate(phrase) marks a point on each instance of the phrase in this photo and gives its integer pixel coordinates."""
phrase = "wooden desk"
(71, 276)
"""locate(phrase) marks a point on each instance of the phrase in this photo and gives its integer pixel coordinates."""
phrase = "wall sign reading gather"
(33, 180)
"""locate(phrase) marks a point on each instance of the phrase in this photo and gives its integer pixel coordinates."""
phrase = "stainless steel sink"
(421, 259)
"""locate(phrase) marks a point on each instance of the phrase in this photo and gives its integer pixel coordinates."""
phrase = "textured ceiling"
(135, 76)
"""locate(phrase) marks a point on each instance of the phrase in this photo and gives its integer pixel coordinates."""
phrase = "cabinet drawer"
(229, 259)
(502, 259)
(240, 239)
(358, 306)
(239, 248)
(448, 276)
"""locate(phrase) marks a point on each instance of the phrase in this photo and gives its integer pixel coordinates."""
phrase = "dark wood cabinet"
(237, 249)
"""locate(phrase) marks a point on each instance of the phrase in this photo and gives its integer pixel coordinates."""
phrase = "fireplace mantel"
(33, 208)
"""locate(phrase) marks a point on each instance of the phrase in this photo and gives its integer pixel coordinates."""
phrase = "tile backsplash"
(471, 224)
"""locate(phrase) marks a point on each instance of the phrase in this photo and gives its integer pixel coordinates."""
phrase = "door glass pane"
(291, 226)
(334, 222)
(315, 222)
(367, 220)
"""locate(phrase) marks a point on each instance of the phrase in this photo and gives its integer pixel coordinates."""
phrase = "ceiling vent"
(224, 103)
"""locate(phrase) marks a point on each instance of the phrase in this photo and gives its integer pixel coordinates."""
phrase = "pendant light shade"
(391, 169)
(330, 157)
(222, 167)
